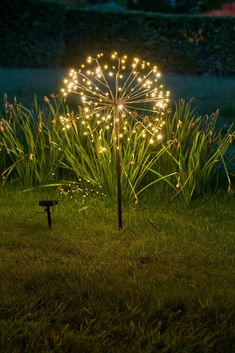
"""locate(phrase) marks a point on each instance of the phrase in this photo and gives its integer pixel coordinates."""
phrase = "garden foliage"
(43, 35)
(179, 43)
(37, 149)
(31, 34)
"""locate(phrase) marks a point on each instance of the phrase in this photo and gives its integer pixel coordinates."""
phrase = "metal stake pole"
(48, 216)
(118, 167)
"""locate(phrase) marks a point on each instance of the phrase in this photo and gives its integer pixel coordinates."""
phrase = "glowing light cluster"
(75, 190)
(118, 91)
(66, 121)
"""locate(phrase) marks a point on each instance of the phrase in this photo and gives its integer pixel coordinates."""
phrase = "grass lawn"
(166, 283)
(208, 93)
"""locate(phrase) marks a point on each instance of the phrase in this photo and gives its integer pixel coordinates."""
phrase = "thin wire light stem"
(118, 165)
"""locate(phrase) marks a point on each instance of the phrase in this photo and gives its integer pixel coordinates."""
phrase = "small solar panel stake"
(48, 204)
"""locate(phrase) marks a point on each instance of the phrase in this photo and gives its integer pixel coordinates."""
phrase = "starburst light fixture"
(116, 92)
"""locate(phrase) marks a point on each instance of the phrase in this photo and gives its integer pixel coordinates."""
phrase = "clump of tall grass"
(197, 152)
(38, 148)
(93, 160)
(30, 154)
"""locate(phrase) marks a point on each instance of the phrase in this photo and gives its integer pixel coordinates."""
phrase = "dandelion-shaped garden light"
(115, 93)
